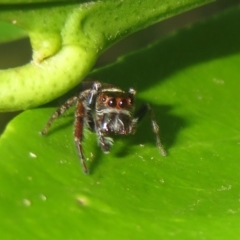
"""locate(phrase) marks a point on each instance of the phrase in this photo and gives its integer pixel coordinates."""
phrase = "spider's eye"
(122, 103)
(103, 99)
(112, 102)
(130, 101)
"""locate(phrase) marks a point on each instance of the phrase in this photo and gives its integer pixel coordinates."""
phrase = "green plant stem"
(67, 40)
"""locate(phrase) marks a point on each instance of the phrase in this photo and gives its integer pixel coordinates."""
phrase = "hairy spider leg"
(104, 142)
(146, 108)
(78, 132)
(60, 111)
(95, 89)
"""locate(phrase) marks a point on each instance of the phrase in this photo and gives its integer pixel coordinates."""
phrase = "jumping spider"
(104, 109)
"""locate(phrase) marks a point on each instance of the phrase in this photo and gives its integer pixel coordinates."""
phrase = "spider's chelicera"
(106, 110)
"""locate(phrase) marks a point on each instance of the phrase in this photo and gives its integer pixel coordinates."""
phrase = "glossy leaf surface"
(192, 81)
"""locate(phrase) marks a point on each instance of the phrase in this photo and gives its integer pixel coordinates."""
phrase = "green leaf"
(67, 38)
(11, 32)
(13, 2)
(192, 81)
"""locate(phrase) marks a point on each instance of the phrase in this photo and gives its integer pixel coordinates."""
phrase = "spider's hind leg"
(138, 117)
(60, 111)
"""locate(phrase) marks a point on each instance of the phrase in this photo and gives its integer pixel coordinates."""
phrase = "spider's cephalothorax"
(104, 109)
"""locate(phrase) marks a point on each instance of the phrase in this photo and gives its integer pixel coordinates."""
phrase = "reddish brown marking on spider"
(104, 109)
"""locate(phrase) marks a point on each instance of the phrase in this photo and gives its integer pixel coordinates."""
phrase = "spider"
(106, 110)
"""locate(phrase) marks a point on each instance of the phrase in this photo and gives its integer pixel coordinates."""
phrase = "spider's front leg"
(138, 117)
(78, 132)
(104, 142)
(94, 90)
